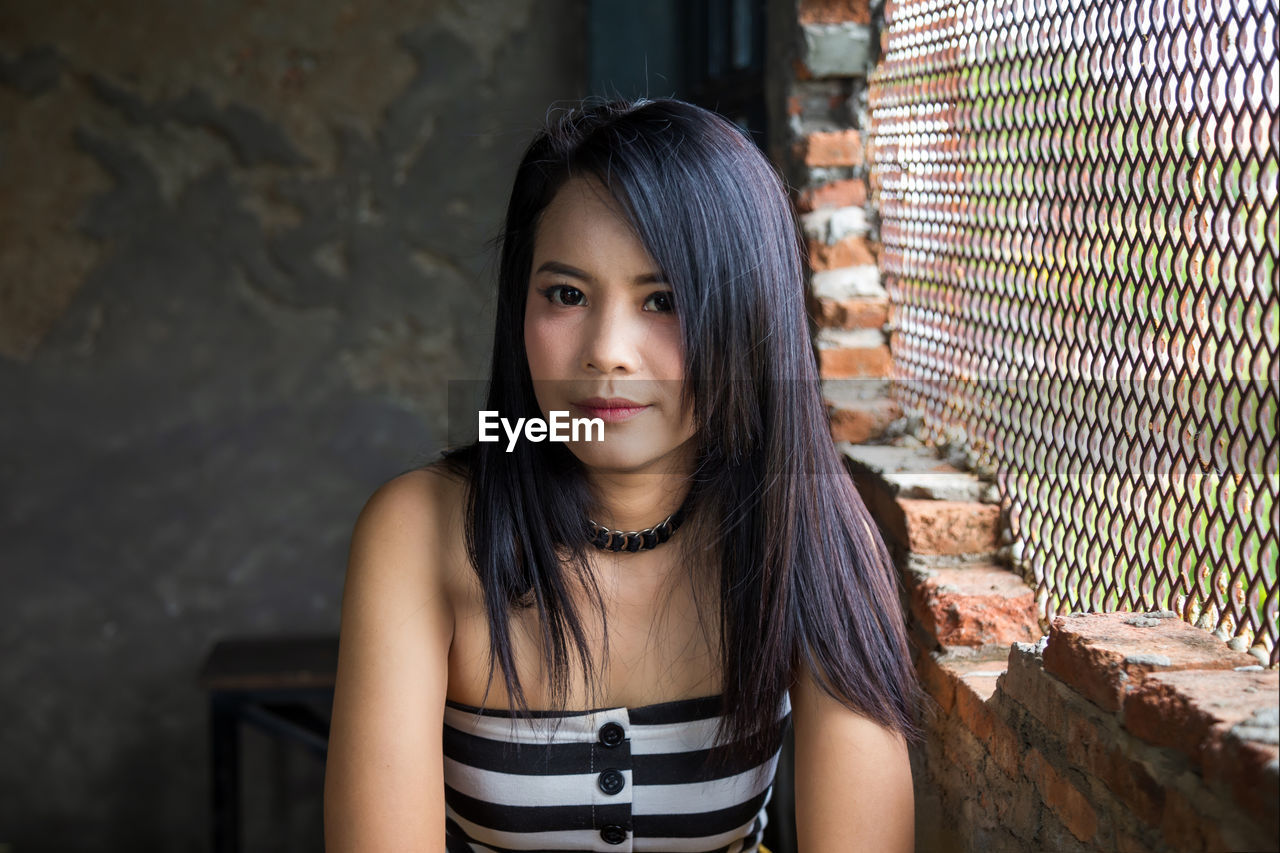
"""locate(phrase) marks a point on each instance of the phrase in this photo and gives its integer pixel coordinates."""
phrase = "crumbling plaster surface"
(243, 248)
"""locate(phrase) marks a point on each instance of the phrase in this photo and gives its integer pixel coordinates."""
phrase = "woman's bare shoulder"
(422, 490)
(410, 529)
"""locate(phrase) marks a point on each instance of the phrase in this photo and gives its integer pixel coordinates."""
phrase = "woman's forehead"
(584, 221)
(584, 195)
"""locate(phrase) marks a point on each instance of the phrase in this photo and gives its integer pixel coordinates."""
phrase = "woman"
(518, 674)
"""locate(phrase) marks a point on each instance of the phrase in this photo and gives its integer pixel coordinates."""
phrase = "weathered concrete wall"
(242, 248)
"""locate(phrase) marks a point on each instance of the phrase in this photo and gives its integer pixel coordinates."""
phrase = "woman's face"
(602, 336)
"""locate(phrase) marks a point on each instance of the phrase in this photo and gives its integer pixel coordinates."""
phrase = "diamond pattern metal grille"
(1080, 238)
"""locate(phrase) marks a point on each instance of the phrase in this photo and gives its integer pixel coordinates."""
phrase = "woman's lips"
(611, 411)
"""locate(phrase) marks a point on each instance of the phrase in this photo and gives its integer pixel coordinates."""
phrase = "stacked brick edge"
(1116, 731)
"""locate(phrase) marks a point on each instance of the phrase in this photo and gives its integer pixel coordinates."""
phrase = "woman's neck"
(636, 500)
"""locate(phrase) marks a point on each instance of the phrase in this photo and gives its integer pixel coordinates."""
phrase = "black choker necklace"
(636, 540)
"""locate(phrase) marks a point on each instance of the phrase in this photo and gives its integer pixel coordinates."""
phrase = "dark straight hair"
(805, 582)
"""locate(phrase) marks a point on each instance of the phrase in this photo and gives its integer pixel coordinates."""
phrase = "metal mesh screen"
(1079, 225)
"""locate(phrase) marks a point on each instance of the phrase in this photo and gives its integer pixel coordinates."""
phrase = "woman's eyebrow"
(573, 272)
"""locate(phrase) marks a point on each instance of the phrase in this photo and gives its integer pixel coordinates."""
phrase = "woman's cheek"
(672, 367)
(543, 345)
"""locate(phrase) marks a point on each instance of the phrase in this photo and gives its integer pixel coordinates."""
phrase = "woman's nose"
(611, 341)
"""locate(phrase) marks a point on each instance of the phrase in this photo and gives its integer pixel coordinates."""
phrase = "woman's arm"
(852, 779)
(384, 777)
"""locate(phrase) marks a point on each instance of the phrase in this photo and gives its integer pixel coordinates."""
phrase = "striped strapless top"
(615, 779)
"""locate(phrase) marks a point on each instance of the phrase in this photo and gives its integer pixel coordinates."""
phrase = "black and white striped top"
(615, 779)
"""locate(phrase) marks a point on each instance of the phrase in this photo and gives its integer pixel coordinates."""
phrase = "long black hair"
(805, 582)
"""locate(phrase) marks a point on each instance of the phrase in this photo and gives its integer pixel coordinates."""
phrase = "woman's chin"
(620, 456)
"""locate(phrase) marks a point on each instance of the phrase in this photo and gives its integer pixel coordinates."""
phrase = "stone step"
(862, 420)
(977, 603)
(913, 472)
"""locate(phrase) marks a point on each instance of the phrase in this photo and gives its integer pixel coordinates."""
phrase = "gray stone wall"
(243, 247)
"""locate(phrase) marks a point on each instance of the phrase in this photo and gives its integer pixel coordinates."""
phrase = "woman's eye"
(563, 294)
(663, 301)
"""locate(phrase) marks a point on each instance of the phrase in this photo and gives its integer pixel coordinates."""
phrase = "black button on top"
(614, 834)
(611, 781)
(611, 734)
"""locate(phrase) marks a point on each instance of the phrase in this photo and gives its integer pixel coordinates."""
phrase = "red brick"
(938, 681)
(1030, 686)
(1195, 711)
(1083, 743)
(1104, 655)
(949, 527)
(835, 12)
(1213, 839)
(972, 693)
(1023, 818)
(1093, 748)
(1088, 744)
(947, 676)
(1184, 828)
(1065, 800)
(854, 362)
(852, 251)
(930, 527)
(980, 673)
(831, 148)
(1248, 768)
(861, 312)
(1006, 748)
(1129, 780)
(1128, 843)
(863, 422)
(976, 606)
(963, 752)
(1191, 710)
(851, 192)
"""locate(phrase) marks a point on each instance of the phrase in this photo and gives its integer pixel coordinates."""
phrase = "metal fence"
(1079, 225)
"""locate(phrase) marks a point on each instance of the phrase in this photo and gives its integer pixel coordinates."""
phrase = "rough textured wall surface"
(243, 245)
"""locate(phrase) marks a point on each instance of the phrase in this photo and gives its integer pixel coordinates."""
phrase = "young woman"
(597, 644)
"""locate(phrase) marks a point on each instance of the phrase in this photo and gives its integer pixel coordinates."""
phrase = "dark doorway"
(708, 52)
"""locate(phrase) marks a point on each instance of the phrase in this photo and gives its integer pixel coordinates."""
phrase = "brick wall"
(823, 157)
(1116, 731)
(1119, 731)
